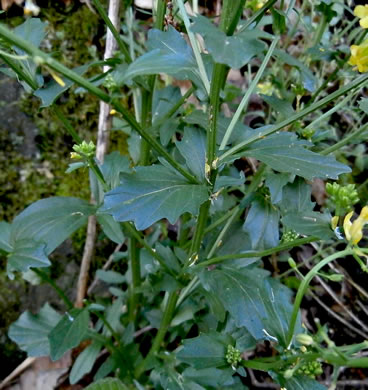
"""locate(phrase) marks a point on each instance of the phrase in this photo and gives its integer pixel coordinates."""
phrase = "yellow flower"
(354, 231)
(359, 56)
(361, 11)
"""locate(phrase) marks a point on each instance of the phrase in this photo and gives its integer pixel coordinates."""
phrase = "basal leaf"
(285, 153)
(27, 254)
(262, 225)
(205, 351)
(50, 221)
(153, 193)
(85, 361)
(107, 384)
(31, 331)
(69, 332)
(259, 303)
(169, 53)
(235, 51)
(209, 377)
(299, 382)
(193, 148)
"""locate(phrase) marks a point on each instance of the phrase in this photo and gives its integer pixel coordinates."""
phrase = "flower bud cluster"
(233, 355)
(344, 197)
(84, 149)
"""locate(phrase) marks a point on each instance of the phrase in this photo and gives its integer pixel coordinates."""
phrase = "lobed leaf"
(31, 331)
(153, 193)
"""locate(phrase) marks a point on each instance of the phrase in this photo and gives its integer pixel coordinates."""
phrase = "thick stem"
(136, 279)
(164, 326)
(304, 286)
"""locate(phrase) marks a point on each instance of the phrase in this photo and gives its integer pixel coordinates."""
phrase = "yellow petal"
(364, 22)
(364, 214)
(356, 231)
(347, 225)
(334, 222)
(361, 11)
(57, 78)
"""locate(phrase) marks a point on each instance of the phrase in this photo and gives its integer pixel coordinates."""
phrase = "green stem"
(308, 110)
(195, 46)
(304, 286)
(42, 57)
(60, 292)
(20, 72)
(68, 126)
(134, 233)
(258, 15)
(199, 232)
(320, 30)
(164, 326)
(344, 141)
(247, 95)
(267, 252)
(218, 75)
(136, 279)
(114, 32)
(160, 14)
(114, 334)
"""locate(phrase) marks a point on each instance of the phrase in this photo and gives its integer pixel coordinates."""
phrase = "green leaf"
(310, 223)
(32, 30)
(279, 105)
(31, 331)
(169, 53)
(163, 100)
(363, 105)
(205, 351)
(262, 225)
(235, 51)
(84, 363)
(49, 93)
(50, 221)
(27, 254)
(209, 377)
(153, 193)
(107, 384)
(276, 182)
(110, 276)
(299, 382)
(113, 165)
(259, 303)
(308, 79)
(296, 197)
(193, 148)
(69, 332)
(285, 153)
(111, 228)
(5, 229)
